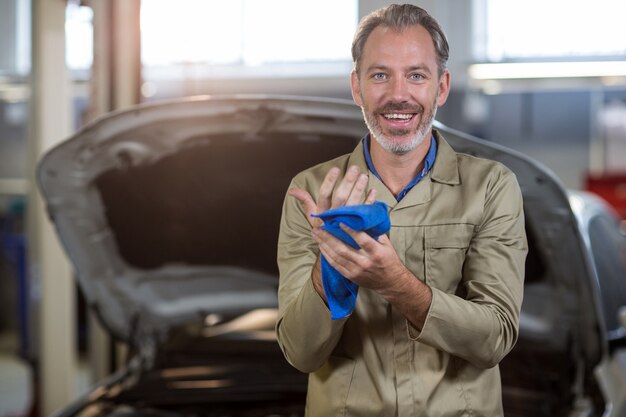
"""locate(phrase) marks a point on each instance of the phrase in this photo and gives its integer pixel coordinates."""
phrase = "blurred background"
(545, 77)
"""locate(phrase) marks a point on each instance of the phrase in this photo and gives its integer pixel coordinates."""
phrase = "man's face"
(399, 88)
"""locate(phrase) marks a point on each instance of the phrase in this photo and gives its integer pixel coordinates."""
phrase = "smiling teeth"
(398, 116)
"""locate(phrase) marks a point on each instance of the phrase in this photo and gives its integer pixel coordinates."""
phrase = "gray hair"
(400, 17)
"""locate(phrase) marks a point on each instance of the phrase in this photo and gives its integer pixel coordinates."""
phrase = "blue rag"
(370, 218)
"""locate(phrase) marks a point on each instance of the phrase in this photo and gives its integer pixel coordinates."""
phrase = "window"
(548, 39)
(79, 37)
(246, 33)
(563, 29)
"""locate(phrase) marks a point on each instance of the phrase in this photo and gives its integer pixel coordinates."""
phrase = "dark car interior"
(214, 204)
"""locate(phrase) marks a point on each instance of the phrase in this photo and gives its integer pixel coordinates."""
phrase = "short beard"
(401, 148)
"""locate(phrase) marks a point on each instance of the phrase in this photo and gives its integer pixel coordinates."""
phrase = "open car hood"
(169, 212)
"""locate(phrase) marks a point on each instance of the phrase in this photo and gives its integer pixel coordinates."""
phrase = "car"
(169, 213)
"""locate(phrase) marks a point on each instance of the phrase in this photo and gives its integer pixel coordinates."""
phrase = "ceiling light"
(525, 70)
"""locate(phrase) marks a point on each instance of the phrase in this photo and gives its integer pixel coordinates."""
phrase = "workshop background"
(547, 78)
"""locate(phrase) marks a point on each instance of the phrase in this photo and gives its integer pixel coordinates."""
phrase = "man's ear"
(444, 88)
(356, 88)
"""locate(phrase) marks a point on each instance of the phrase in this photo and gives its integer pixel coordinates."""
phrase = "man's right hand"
(350, 191)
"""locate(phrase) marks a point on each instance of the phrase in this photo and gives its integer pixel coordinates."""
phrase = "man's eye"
(379, 76)
(416, 77)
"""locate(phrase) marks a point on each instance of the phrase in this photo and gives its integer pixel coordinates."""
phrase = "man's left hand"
(376, 265)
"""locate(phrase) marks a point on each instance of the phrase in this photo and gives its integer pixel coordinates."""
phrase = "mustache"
(405, 107)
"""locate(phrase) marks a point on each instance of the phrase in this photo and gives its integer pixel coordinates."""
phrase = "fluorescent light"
(547, 70)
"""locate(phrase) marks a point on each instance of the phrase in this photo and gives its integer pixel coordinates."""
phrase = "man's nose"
(399, 89)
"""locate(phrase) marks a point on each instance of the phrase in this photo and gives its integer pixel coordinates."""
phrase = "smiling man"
(439, 296)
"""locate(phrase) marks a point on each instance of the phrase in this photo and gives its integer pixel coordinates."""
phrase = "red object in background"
(611, 187)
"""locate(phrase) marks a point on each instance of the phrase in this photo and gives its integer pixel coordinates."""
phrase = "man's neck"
(396, 171)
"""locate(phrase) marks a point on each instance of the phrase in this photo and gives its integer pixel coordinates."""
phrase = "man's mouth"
(398, 116)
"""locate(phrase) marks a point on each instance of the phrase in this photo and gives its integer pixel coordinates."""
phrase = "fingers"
(344, 189)
(326, 190)
(384, 240)
(341, 256)
(341, 265)
(356, 195)
(365, 241)
(351, 189)
(308, 204)
(371, 197)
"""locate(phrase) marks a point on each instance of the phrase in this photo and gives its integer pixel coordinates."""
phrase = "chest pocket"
(445, 247)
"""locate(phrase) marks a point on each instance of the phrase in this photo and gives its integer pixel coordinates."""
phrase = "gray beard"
(400, 148)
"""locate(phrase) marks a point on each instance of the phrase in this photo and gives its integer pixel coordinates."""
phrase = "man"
(439, 298)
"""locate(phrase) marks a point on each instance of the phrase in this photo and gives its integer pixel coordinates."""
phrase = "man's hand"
(377, 266)
(350, 191)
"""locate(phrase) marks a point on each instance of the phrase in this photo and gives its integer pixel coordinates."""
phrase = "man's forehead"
(413, 33)
(413, 41)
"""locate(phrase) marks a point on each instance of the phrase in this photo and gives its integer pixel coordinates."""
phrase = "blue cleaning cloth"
(371, 218)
